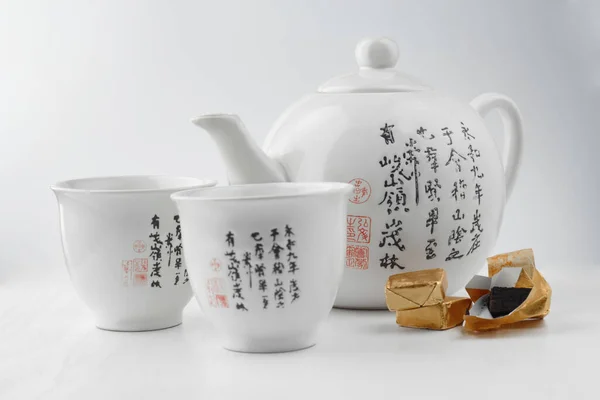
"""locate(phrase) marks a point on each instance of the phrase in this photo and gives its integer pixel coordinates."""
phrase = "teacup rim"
(312, 189)
(198, 183)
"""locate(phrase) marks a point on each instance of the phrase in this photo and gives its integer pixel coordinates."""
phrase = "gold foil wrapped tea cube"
(416, 289)
(441, 316)
(509, 270)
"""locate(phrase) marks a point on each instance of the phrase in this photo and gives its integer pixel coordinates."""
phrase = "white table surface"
(50, 349)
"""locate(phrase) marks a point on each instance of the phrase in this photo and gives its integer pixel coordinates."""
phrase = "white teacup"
(123, 249)
(265, 260)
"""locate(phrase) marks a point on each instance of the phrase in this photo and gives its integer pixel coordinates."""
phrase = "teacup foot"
(270, 345)
(139, 325)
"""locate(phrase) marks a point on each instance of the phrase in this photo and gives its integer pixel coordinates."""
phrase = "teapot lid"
(377, 58)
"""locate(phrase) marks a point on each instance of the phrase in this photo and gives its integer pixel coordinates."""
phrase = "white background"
(92, 88)
(108, 87)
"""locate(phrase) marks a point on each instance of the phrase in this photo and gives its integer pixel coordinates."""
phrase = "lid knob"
(377, 53)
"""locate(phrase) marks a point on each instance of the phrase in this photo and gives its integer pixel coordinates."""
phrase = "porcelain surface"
(430, 184)
(265, 261)
(123, 249)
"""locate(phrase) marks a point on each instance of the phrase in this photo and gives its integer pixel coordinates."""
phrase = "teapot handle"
(513, 132)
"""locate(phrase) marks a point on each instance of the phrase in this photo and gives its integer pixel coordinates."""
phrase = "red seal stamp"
(362, 191)
(126, 266)
(135, 272)
(357, 257)
(358, 229)
(215, 264)
(139, 246)
(140, 265)
(215, 291)
(140, 279)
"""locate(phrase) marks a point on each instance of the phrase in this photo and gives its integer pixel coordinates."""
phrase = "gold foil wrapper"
(537, 304)
(517, 259)
(416, 289)
(445, 315)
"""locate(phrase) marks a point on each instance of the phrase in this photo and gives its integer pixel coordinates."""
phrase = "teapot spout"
(245, 161)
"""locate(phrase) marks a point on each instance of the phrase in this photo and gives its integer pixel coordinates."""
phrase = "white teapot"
(430, 185)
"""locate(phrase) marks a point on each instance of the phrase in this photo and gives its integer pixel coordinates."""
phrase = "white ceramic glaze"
(265, 261)
(430, 184)
(123, 249)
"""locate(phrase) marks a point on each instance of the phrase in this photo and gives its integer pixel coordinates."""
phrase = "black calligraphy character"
(293, 267)
(233, 272)
(432, 220)
(229, 238)
(178, 263)
(391, 262)
(429, 249)
(241, 306)
(399, 163)
(177, 228)
(265, 300)
(473, 153)
(237, 291)
(232, 257)
(448, 133)
(294, 290)
(186, 277)
(156, 252)
(459, 189)
(176, 279)
(290, 243)
(178, 249)
(262, 285)
(400, 200)
(391, 235)
(475, 243)
(155, 238)
(169, 243)
(288, 231)
(391, 182)
(155, 284)
(279, 293)
(292, 256)
(259, 251)
(475, 171)
(456, 235)
(156, 270)
(247, 263)
(259, 269)
(431, 189)
(411, 159)
(458, 215)
(421, 132)
(385, 161)
(256, 236)
(465, 132)
(155, 222)
(454, 255)
(455, 158)
(431, 154)
(387, 197)
(387, 134)
(278, 268)
(276, 249)
(478, 193)
(274, 234)
(476, 222)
